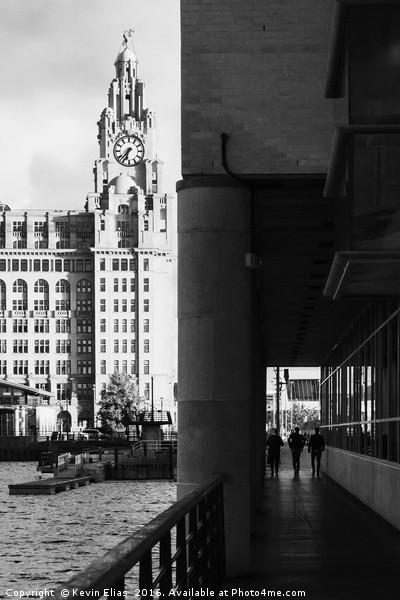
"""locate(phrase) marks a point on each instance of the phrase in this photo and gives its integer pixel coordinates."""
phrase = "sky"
(56, 65)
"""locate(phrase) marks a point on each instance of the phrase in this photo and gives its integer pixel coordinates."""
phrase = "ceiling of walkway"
(298, 232)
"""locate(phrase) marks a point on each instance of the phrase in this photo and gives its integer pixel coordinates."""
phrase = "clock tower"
(127, 130)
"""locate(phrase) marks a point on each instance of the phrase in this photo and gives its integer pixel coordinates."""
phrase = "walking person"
(296, 444)
(274, 444)
(316, 446)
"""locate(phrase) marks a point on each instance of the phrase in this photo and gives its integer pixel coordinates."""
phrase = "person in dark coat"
(296, 444)
(274, 444)
(316, 446)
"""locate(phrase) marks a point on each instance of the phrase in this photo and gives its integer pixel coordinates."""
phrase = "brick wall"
(255, 69)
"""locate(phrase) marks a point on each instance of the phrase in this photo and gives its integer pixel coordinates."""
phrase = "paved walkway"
(313, 536)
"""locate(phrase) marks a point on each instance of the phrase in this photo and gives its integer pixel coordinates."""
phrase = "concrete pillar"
(216, 371)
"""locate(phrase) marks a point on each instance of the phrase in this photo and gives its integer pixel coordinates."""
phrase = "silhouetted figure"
(274, 444)
(296, 444)
(316, 446)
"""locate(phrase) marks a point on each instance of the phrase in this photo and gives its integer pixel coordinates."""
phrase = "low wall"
(373, 481)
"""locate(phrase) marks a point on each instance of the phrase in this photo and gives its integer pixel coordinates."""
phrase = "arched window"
(63, 295)
(83, 287)
(123, 244)
(41, 291)
(123, 208)
(20, 298)
(3, 298)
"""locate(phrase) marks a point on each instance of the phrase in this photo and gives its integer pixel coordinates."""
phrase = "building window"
(63, 301)
(116, 366)
(146, 325)
(133, 304)
(133, 367)
(84, 326)
(146, 367)
(115, 285)
(3, 346)
(124, 346)
(3, 325)
(20, 367)
(58, 265)
(115, 264)
(124, 325)
(146, 284)
(83, 287)
(20, 325)
(20, 287)
(133, 325)
(3, 295)
(124, 264)
(42, 367)
(85, 391)
(124, 285)
(146, 305)
(84, 367)
(102, 284)
(63, 326)
(84, 305)
(63, 391)
(133, 284)
(115, 305)
(124, 366)
(20, 346)
(41, 287)
(84, 346)
(3, 367)
(133, 346)
(116, 325)
(103, 345)
(116, 346)
(102, 304)
(103, 367)
(102, 264)
(146, 345)
(103, 327)
(124, 303)
(132, 264)
(42, 346)
(41, 326)
(63, 346)
(145, 264)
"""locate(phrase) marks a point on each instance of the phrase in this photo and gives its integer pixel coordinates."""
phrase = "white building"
(86, 293)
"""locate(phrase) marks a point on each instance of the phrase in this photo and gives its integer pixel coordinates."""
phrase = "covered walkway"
(314, 537)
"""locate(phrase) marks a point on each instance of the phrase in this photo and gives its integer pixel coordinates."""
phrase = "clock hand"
(126, 153)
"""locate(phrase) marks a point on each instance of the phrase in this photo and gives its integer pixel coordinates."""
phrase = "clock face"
(129, 150)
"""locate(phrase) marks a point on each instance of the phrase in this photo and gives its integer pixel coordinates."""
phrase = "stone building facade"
(84, 294)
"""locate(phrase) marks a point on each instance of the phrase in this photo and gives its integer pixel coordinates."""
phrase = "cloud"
(58, 62)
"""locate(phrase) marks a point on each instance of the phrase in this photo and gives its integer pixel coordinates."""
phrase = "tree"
(120, 404)
(301, 415)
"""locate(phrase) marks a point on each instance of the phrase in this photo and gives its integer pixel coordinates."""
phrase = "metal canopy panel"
(25, 388)
(365, 274)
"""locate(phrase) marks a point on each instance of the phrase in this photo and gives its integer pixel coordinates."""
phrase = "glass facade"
(360, 385)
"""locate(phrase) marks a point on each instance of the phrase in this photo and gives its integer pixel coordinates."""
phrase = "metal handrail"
(195, 523)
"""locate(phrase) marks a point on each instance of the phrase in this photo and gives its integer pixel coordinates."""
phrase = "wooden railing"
(182, 549)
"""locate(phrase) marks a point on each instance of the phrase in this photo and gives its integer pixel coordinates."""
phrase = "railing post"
(193, 578)
(146, 573)
(165, 564)
(181, 560)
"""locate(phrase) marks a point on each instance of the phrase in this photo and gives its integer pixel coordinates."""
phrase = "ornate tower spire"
(127, 130)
